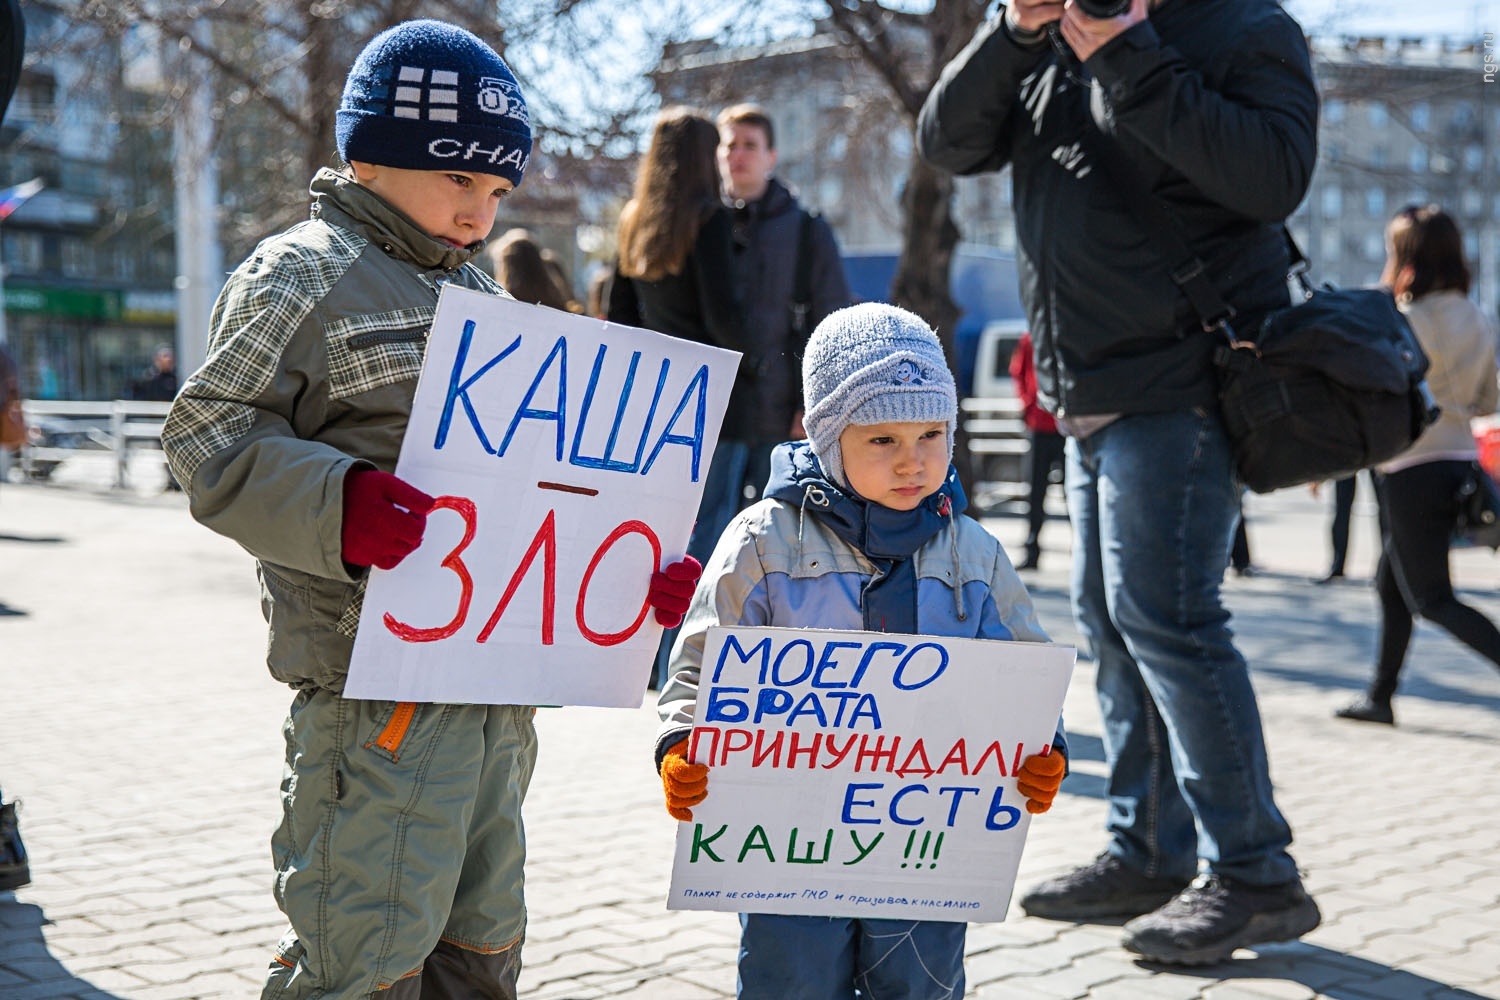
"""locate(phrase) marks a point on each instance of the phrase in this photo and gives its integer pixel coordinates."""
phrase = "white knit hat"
(872, 364)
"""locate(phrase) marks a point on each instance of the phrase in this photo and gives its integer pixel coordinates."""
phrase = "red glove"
(672, 590)
(686, 784)
(1039, 779)
(383, 518)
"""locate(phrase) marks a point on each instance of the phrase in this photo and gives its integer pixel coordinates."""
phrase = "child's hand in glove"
(686, 784)
(1039, 779)
(384, 517)
(672, 590)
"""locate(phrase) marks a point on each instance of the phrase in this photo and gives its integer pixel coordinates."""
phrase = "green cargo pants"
(400, 852)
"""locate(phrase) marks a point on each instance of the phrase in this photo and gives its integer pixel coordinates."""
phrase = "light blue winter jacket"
(811, 555)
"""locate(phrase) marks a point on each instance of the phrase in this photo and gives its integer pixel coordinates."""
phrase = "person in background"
(15, 870)
(1044, 451)
(674, 275)
(1418, 489)
(1239, 549)
(598, 294)
(1338, 528)
(1225, 134)
(13, 429)
(158, 384)
(521, 268)
(788, 274)
(862, 528)
(560, 280)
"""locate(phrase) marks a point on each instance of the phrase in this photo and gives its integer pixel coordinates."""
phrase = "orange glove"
(1039, 779)
(686, 784)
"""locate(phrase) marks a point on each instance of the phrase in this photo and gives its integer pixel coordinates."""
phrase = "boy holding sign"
(861, 529)
(400, 852)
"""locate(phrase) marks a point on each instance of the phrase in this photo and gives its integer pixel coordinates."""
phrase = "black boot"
(1033, 556)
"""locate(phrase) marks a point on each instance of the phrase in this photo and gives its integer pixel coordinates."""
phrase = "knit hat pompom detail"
(872, 364)
(428, 95)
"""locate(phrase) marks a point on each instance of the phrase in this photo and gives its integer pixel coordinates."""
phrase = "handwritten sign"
(568, 457)
(864, 774)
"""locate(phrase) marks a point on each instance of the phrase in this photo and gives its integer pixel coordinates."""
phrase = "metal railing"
(73, 427)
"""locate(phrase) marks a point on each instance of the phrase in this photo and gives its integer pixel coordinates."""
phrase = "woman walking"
(1418, 489)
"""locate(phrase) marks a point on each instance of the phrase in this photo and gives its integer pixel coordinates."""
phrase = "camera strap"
(1187, 269)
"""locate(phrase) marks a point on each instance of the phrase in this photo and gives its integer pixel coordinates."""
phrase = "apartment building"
(88, 263)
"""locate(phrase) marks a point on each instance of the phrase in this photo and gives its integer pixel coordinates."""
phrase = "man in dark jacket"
(159, 382)
(1212, 104)
(775, 241)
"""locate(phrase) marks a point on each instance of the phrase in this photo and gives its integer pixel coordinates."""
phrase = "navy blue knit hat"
(427, 95)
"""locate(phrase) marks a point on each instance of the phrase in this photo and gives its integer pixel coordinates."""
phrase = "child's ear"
(363, 172)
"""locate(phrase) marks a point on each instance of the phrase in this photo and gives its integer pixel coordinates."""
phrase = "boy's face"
(745, 160)
(897, 465)
(454, 207)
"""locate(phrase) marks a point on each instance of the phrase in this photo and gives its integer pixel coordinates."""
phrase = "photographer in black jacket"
(1211, 104)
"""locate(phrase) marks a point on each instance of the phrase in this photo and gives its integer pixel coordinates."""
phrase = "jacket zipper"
(370, 338)
(394, 732)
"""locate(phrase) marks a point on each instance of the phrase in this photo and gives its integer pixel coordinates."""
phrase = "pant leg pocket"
(394, 723)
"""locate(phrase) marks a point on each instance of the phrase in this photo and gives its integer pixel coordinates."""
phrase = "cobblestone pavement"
(140, 730)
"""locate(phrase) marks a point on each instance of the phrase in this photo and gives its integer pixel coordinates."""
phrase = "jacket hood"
(347, 203)
(878, 532)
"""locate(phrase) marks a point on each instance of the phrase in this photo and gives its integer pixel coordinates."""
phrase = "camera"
(1103, 8)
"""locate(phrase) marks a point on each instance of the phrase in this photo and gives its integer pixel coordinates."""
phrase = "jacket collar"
(777, 200)
(342, 201)
(878, 532)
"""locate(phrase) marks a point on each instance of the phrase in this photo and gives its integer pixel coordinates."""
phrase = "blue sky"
(1462, 18)
(622, 43)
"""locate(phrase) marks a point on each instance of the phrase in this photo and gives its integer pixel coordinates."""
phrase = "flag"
(12, 198)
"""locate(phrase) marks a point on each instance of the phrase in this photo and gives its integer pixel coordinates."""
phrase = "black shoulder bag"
(1322, 388)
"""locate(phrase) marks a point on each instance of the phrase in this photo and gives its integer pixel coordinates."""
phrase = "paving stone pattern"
(141, 731)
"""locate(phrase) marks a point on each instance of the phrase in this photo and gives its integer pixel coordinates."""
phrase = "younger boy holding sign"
(400, 852)
(861, 529)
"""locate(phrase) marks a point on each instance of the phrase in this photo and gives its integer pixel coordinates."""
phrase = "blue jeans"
(828, 958)
(1153, 499)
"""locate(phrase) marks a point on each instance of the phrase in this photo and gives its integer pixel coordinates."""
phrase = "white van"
(997, 341)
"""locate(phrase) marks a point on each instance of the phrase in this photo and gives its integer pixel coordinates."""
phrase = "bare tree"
(908, 50)
(277, 72)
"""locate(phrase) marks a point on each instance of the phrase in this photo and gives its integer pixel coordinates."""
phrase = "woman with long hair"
(1418, 489)
(675, 275)
(676, 239)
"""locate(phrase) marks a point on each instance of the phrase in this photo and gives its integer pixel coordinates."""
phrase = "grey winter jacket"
(314, 349)
(788, 561)
(1212, 102)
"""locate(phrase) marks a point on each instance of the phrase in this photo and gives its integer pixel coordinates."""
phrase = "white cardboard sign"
(864, 774)
(568, 456)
